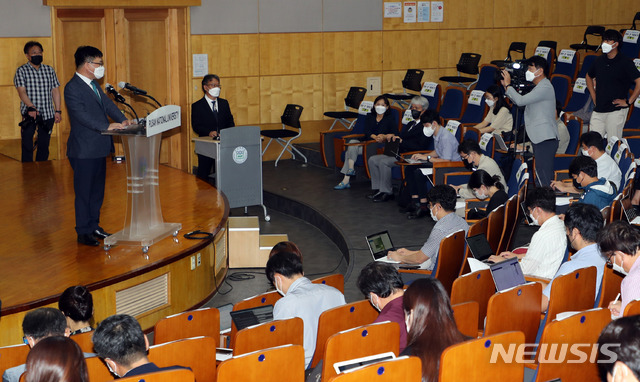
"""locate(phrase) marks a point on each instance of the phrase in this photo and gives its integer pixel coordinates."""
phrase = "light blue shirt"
(540, 111)
(588, 256)
(446, 145)
(307, 301)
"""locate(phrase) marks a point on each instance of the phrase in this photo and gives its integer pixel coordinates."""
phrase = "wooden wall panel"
(464, 14)
(502, 38)
(352, 51)
(399, 24)
(10, 116)
(278, 91)
(13, 56)
(610, 13)
(400, 51)
(518, 13)
(244, 61)
(565, 36)
(567, 12)
(336, 86)
(455, 42)
(290, 53)
(392, 79)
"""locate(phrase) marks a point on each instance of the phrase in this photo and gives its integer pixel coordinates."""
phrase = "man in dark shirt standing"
(609, 81)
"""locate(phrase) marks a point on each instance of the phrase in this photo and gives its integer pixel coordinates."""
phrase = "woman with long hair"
(498, 119)
(431, 327)
(485, 186)
(56, 359)
(76, 303)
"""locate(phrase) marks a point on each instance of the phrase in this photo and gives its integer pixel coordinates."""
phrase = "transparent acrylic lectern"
(143, 223)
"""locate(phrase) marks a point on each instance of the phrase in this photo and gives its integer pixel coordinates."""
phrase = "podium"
(143, 223)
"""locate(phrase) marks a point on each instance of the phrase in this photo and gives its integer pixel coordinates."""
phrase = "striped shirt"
(444, 227)
(630, 287)
(39, 83)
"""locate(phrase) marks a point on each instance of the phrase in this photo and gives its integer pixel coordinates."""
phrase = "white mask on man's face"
(214, 92)
(99, 72)
(606, 47)
(618, 268)
(278, 287)
(530, 76)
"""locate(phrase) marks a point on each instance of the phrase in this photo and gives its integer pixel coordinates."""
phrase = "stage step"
(247, 247)
(312, 151)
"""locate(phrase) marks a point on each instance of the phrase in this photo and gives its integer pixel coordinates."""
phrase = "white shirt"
(546, 250)
(608, 169)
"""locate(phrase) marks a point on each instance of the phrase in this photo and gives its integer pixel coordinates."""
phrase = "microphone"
(117, 96)
(128, 86)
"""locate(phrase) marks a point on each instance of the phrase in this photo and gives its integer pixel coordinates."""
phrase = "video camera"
(517, 69)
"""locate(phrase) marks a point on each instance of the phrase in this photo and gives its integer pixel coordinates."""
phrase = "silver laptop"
(503, 146)
(629, 211)
(379, 245)
(507, 274)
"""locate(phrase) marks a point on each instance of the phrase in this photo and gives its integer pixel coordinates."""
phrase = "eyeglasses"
(97, 63)
(609, 262)
(465, 157)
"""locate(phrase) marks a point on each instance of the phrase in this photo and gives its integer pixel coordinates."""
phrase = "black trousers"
(417, 183)
(205, 166)
(545, 153)
(88, 184)
(44, 136)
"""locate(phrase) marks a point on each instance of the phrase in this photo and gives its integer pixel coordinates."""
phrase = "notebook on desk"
(379, 245)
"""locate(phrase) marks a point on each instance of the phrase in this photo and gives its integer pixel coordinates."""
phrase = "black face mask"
(468, 165)
(415, 114)
(36, 60)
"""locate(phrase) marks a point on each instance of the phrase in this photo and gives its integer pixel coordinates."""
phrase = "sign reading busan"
(163, 119)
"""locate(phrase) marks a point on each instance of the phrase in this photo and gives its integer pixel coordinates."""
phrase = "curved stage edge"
(39, 255)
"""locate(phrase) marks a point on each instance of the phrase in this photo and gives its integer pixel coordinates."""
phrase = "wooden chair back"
(495, 225)
(407, 369)
(341, 318)
(176, 375)
(564, 297)
(268, 298)
(476, 228)
(517, 309)
(616, 211)
(510, 210)
(377, 338)
(201, 322)
(198, 353)
(632, 308)
(480, 351)
(582, 328)
(466, 316)
(84, 340)
(336, 281)
(11, 356)
(450, 258)
(610, 287)
(98, 370)
(477, 286)
(281, 364)
(269, 335)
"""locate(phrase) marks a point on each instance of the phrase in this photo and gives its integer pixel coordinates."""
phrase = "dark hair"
(612, 35)
(592, 138)
(56, 359)
(30, 45)
(76, 303)
(120, 338)
(482, 178)
(430, 116)
(584, 163)
(86, 54)
(206, 79)
(433, 328)
(586, 218)
(445, 195)
(386, 102)
(380, 278)
(543, 197)
(286, 246)
(44, 322)
(619, 236)
(498, 95)
(539, 63)
(624, 331)
(285, 263)
(469, 145)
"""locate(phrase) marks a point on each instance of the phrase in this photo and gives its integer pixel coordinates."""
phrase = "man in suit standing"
(89, 112)
(209, 115)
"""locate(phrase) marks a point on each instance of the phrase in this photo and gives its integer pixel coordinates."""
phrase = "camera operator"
(539, 115)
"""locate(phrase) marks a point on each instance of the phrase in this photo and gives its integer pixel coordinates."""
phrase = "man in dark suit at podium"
(209, 115)
(89, 112)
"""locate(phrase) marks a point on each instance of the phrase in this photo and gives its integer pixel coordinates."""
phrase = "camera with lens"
(517, 69)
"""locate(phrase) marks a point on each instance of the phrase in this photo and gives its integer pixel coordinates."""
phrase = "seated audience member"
(301, 298)
(36, 326)
(549, 243)
(120, 342)
(431, 327)
(563, 132)
(286, 246)
(442, 206)
(411, 138)
(597, 191)
(582, 221)
(485, 186)
(381, 283)
(446, 149)
(56, 359)
(76, 303)
(498, 119)
(620, 243)
(472, 157)
(592, 145)
(377, 125)
(624, 364)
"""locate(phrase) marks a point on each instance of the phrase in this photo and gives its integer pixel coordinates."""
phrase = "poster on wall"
(423, 11)
(409, 11)
(200, 65)
(437, 11)
(393, 9)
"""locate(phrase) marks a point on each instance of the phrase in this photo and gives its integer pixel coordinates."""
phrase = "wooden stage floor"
(39, 255)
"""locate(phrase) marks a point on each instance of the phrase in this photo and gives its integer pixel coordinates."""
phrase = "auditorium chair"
(200, 322)
(478, 287)
(562, 87)
(596, 31)
(176, 375)
(632, 308)
(487, 77)
(515, 309)
(569, 69)
(468, 64)
(453, 104)
(579, 97)
(98, 370)
(336, 281)
(628, 48)
(547, 49)
(198, 353)
(341, 318)
(495, 227)
(587, 61)
(609, 288)
(268, 298)
(347, 117)
(14, 355)
(406, 369)
(466, 316)
(476, 228)
(290, 118)
(434, 97)
(510, 214)
(455, 364)
(412, 81)
(279, 364)
(269, 335)
(516, 47)
(366, 340)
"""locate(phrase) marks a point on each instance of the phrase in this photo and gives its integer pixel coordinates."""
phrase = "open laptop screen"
(379, 244)
(507, 274)
(252, 316)
(479, 246)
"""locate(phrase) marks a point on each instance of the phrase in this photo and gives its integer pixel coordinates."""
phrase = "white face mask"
(278, 287)
(428, 131)
(374, 304)
(618, 268)
(111, 369)
(489, 102)
(534, 221)
(380, 109)
(433, 216)
(480, 195)
(606, 47)
(585, 153)
(407, 320)
(530, 76)
(99, 72)
(214, 92)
